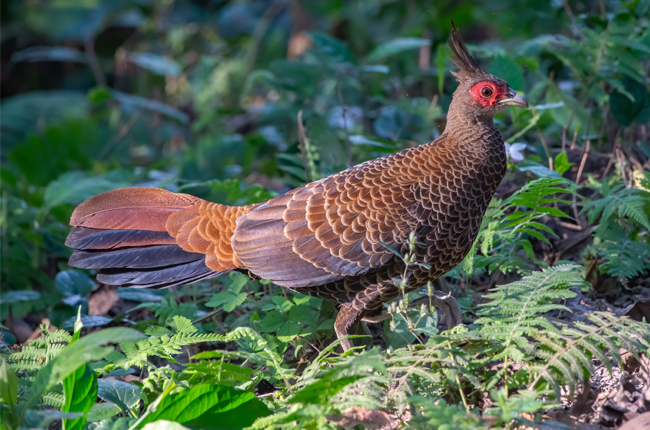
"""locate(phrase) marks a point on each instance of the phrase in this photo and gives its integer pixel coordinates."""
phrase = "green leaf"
(123, 394)
(323, 389)
(41, 419)
(72, 282)
(394, 47)
(507, 69)
(75, 355)
(561, 163)
(626, 111)
(80, 390)
(441, 57)
(75, 187)
(221, 405)
(102, 411)
(538, 170)
(335, 50)
(19, 296)
(164, 425)
(140, 295)
(287, 329)
(229, 300)
(156, 64)
(123, 423)
(8, 388)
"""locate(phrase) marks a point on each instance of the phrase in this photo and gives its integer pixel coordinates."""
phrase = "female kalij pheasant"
(325, 238)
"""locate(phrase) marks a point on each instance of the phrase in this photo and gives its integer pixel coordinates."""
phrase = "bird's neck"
(474, 133)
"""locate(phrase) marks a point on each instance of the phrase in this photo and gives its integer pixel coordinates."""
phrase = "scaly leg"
(346, 324)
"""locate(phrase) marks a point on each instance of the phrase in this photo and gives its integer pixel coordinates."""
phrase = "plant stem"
(462, 394)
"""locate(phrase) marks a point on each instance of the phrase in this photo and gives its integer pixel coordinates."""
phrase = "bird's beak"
(514, 99)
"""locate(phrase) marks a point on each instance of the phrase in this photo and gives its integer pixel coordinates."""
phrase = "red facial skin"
(498, 93)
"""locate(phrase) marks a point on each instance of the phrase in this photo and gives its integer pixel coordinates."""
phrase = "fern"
(508, 236)
(623, 257)
(162, 342)
(53, 399)
(40, 351)
(515, 311)
(565, 353)
(165, 310)
(624, 202)
(515, 307)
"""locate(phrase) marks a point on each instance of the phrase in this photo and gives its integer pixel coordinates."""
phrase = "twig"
(609, 165)
(260, 30)
(348, 144)
(572, 18)
(4, 228)
(205, 317)
(575, 136)
(582, 166)
(110, 146)
(548, 153)
(584, 160)
(302, 137)
(89, 45)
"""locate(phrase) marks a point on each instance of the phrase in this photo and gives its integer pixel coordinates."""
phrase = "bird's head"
(478, 91)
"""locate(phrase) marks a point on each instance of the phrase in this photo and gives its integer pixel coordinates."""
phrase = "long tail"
(149, 237)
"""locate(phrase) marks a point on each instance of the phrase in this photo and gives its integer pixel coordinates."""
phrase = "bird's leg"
(346, 324)
(446, 304)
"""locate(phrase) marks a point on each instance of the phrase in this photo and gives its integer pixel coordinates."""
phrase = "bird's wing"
(331, 228)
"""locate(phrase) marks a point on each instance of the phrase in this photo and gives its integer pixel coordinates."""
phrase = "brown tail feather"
(149, 237)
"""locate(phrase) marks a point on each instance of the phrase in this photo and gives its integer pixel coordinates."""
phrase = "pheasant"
(328, 237)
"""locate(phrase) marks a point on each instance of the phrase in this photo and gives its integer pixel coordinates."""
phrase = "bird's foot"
(446, 304)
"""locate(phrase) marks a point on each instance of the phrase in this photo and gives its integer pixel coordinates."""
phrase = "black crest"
(461, 57)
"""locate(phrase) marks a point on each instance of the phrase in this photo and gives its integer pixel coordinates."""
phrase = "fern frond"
(564, 354)
(53, 399)
(164, 310)
(162, 343)
(625, 202)
(623, 257)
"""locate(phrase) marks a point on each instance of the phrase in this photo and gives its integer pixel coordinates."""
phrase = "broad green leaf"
(75, 187)
(441, 59)
(226, 298)
(164, 425)
(35, 419)
(394, 47)
(335, 50)
(87, 321)
(19, 296)
(626, 111)
(323, 389)
(140, 294)
(75, 355)
(538, 170)
(72, 282)
(102, 411)
(8, 384)
(123, 394)
(561, 163)
(122, 423)
(35, 54)
(156, 64)
(507, 69)
(80, 390)
(221, 403)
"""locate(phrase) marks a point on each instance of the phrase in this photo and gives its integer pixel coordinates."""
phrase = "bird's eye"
(486, 92)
